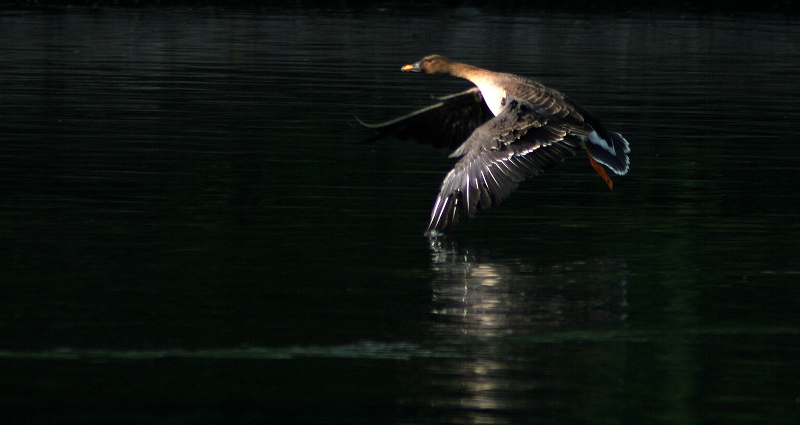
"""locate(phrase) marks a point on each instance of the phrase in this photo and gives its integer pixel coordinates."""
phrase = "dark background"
(191, 232)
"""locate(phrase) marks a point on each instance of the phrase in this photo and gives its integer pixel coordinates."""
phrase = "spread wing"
(510, 148)
(606, 147)
(445, 124)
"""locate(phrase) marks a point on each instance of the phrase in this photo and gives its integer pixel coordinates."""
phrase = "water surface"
(192, 233)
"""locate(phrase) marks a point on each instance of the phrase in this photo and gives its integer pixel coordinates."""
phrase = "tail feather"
(611, 151)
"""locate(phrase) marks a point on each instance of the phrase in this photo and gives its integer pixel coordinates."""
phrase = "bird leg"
(600, 170)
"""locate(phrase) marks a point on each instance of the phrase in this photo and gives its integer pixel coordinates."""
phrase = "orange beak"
(411, 68)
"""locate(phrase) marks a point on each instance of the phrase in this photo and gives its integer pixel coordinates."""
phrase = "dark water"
(190, 233)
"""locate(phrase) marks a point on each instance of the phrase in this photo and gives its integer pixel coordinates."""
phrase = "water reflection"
(486, 299)
(182, 185)
(516, 319)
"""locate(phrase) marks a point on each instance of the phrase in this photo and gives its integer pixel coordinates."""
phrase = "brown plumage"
(505, 132)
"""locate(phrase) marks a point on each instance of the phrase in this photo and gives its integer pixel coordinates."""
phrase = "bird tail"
(611, 150)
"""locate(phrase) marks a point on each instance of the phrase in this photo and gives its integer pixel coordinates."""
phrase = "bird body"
(527, 128)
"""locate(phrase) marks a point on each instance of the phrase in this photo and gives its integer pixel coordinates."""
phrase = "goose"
(504, 131)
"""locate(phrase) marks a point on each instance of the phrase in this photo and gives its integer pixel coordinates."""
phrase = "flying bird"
(504, 131)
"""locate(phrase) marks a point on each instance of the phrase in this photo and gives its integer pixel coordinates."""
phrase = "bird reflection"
(509, 319)
(485, 299)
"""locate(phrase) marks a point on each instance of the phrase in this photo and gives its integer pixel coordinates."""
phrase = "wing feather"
(508, 149)
(445, 124)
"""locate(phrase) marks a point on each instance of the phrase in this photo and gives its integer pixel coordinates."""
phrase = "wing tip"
(434, 234)
(444, 215)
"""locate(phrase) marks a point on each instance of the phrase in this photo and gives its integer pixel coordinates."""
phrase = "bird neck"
(465, 71)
